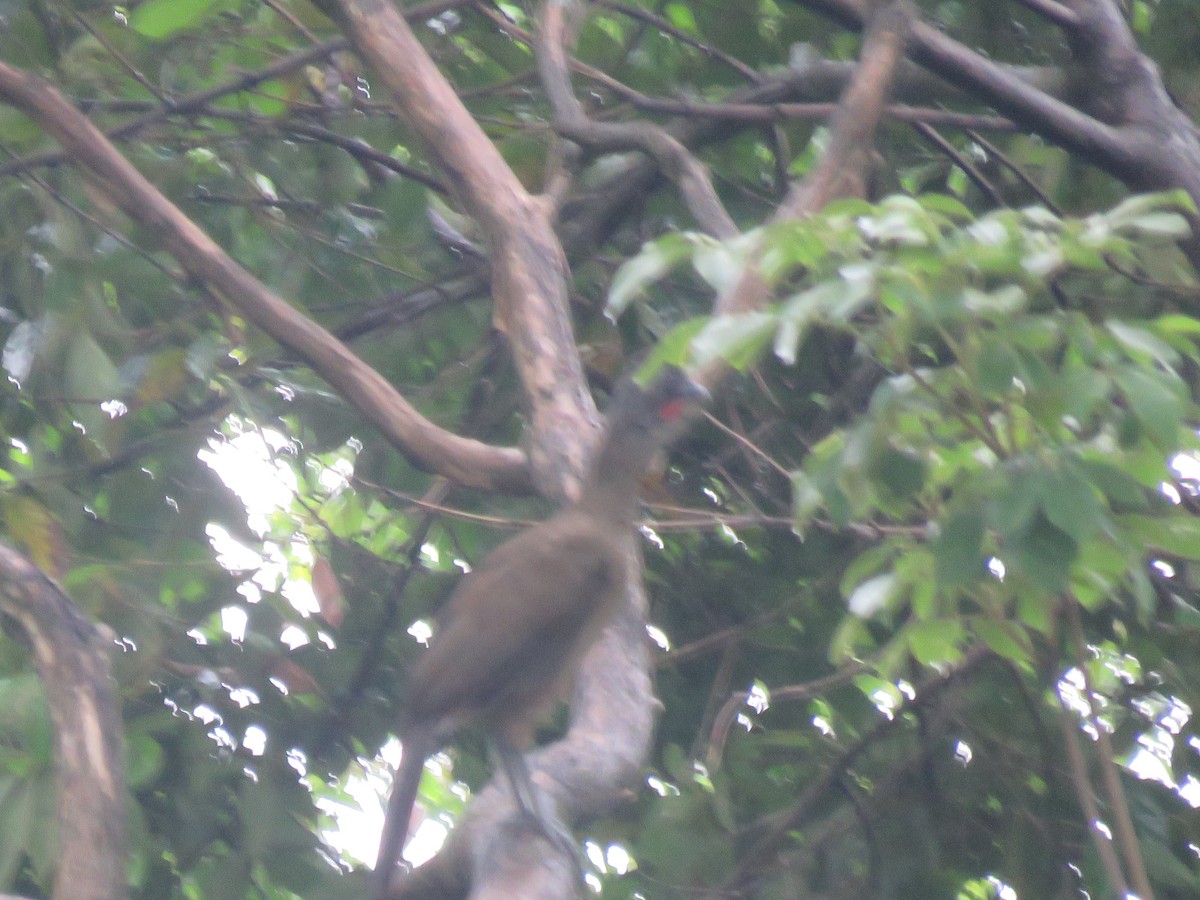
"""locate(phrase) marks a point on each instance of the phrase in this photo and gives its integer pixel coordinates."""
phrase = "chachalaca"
(511, 636)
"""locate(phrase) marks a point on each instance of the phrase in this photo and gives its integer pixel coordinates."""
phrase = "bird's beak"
(697, 393)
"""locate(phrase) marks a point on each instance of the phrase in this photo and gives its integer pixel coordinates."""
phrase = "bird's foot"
(561, 838)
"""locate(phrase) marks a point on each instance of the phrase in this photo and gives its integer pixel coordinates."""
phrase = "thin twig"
(1126, 837)
(116, 54)
(667, 28)
(968, 168)
(749, 445)
(1083, 792)
(1016, 170)
(1060, 15)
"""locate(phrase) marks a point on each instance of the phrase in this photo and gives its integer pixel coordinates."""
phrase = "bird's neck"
(610, 492)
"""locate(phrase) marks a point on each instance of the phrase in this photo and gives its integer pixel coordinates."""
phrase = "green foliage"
(955, 420)
(1015, 434)
(1028, 399)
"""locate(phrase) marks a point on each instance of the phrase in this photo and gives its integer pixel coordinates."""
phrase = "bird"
(510, 638)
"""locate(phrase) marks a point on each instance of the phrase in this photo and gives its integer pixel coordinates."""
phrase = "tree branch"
(843, 168)
(612, 712)
(1127, 840)
(673, 158)
(1135, 132)
(425, 445)
(528, 266)
(72, 661)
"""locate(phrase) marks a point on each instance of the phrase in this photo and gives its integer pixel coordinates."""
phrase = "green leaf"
(157, 19)
(806, 499)
(1158, 225)
(1004, 638)
(936, 642)
(1157, 405)
(902, 472)
(144, 759)
(1177, 535)
(1177, 324)
(1042, 554)
(793, 324)
(949, 206)
(1118, 486)
(656, 260)
(1141, 344)
(91, 376)
(958, 550)
(1000, 303)
(811, 305)
(878, 691)
(872, 596)
(995, 367)
(680, 15)
(1033, 610)
(848, 639)
(1100, 572)
(674, 347)
(1071, 503)
(1013, 506)
(720, 264)
(870, 562)
(1140, 204)
(737, 339)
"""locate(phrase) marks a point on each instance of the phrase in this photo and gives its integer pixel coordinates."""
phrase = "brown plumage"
(512, 634)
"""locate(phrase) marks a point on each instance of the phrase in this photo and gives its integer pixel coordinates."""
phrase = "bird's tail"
(418, 744)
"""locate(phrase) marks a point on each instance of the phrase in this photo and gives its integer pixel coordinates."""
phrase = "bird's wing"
(514, 624)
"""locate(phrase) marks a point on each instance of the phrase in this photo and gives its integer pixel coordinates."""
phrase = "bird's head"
(652, 414)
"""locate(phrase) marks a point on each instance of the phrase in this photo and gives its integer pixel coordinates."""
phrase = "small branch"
(366, 155)
(125, 64)
(723, 720)
(689, 175)
(770, 113)
(1062, 16)
(969, 168)
(731, 652)
(749, 445)
(422, 443)
(1127, 839)
(843, 168)
(1032, 185)
(666, 27)
(1087, 802)
(284, 13)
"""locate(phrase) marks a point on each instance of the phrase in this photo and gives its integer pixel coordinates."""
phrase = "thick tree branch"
(1135, 132)
(844, 166)
(528, 266)
(422, 443)
(612, 713)
(72, 661)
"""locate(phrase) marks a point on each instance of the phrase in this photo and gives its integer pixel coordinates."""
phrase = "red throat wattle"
(672, 410)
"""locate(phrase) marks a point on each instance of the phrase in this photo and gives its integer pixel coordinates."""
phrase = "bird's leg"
(529, 801)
